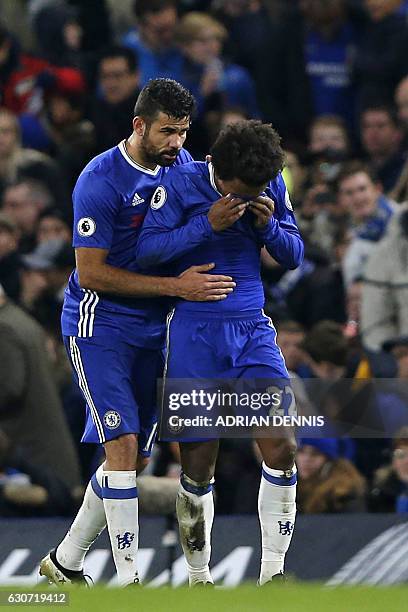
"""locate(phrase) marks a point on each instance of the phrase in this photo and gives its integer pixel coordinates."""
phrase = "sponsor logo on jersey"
(159, 197)
(112, 419)
(86, 226)
(137, 199)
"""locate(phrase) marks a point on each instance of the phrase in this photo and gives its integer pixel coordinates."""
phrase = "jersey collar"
(212, 178)
(122, 149)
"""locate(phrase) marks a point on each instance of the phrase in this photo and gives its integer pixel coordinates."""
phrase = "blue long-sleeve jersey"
(176, 229)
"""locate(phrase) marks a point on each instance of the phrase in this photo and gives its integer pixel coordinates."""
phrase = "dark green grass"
(291, 598)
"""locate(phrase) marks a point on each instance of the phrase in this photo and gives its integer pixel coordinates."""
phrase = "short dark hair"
(353, 167)
(326, 342)
(143, 7)
(248, 150)
(123, 52)
(166, 96)
(382, 107)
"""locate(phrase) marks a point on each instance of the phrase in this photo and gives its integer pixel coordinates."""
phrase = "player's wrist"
(269, 228)
(171, 287)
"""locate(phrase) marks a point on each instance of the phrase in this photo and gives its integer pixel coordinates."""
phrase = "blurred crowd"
(332, 77)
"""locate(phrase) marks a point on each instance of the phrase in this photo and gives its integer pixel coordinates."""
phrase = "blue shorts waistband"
(233, 315)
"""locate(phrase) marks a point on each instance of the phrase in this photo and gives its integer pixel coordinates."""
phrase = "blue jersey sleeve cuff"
(270, 231)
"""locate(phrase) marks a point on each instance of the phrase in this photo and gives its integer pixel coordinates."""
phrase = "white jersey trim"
(212, 178)
(122, 149)
(87, 313)
(83, 384)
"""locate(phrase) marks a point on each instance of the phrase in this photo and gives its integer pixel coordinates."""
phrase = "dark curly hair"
(248, 150)
(166, 96)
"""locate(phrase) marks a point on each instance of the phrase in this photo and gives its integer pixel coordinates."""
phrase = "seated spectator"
(384, 312)
(400, 191)
(52, 225)
(10, 263)
(329, 133)
(201, 38)
(401, 100)
(327, 482)
(45, 277)
(17, 162)
(119, 88)
(290, 337)
(24, 78)
(370, 212)
(294, 174)
(379, 62)
(58, 33)
(311, 76)
(389, 492)
(28, 489)
(321, 216)
(381, 138)
(29, 398)
(72, 137)
(23, 202)
(152, 41)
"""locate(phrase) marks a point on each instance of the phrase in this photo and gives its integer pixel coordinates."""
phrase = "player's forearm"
(158, 246)
(284, 245)
(108, 279)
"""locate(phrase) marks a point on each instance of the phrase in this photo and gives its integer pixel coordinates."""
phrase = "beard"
(153, 155)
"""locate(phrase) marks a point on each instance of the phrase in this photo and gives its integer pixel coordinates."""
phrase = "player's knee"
(281, 455)
(121, 453)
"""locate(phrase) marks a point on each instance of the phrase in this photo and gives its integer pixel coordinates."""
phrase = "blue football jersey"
(176, 228)
(110, 199)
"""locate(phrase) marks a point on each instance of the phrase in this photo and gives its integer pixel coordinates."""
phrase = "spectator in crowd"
(24, 78)
(390, 486)
(327, 482)
(290, 337)
(385, 291)
(392, 395)
(250, 24)
(58, 34)
(379, 63)
(9, 258)
(311, 76)
(326, 350)
(329, 133)
(119, 87)
(17, 162)
(51, 263)
(29, 398)
(370, 212)
(400, 190)
(318, 292)
(201, 38)
(215, 84)
(401, 100)
(152, 41)
(294, 174)
(52, 225)
(399, 349)
(28, 489)
(72, 136)
(23, 202)
(381, 138)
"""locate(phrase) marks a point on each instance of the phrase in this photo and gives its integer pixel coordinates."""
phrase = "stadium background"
(332, 77)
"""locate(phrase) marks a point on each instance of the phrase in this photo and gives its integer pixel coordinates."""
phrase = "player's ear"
(139, 126)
